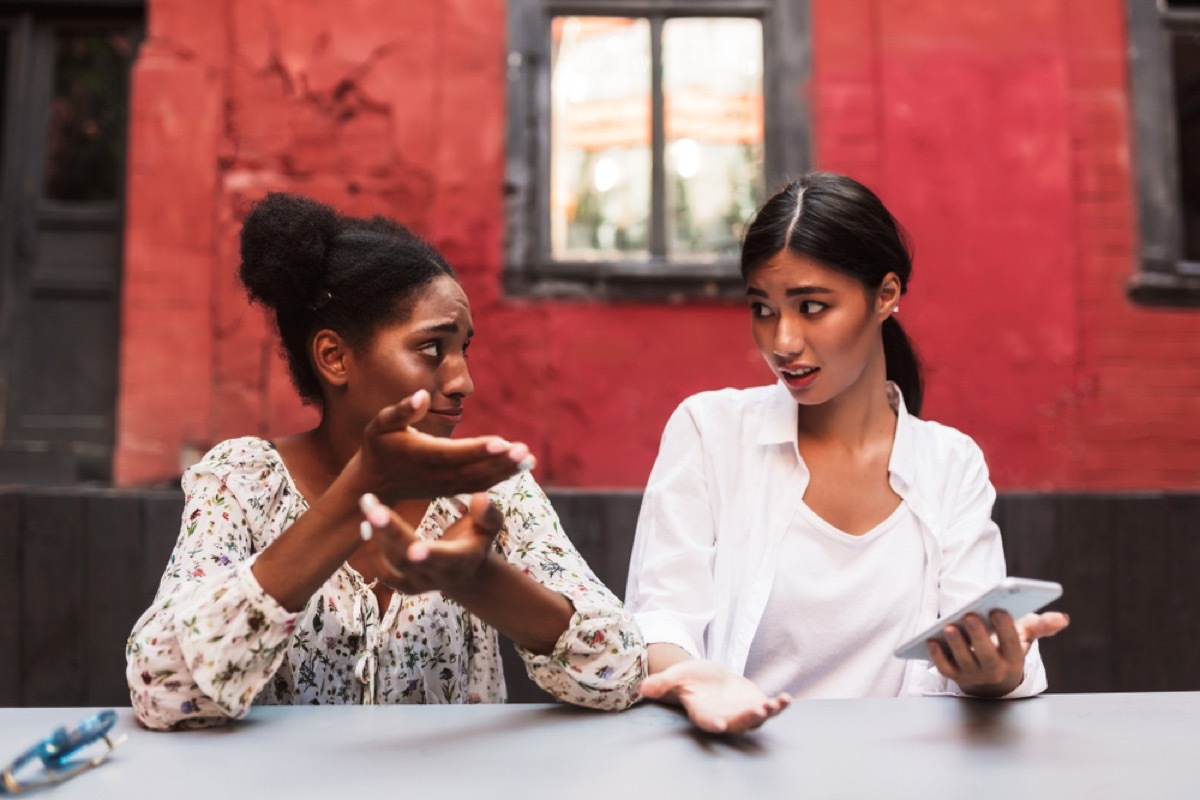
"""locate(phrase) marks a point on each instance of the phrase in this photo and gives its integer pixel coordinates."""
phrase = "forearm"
(663, 655)
(524, 610)
(296, 564)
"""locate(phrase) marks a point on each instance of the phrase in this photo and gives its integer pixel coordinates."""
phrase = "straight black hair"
(840, 223)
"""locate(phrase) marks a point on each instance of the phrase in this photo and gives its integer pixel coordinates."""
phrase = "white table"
(1055, 746)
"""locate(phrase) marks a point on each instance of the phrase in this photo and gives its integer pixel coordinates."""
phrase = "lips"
(448, 414)
(799, 376)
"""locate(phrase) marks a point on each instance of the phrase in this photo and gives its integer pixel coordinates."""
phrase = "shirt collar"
(779, 412)
(779, 427)
(903, 461)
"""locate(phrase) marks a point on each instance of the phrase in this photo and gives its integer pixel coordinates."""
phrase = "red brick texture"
(998, 133)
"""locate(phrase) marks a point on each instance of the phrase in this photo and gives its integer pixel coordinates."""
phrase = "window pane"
(599, 138)
(713, 106)
(1186, 62)
(87, 115)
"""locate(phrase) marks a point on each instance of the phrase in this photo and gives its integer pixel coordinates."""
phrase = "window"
(642, 136)
(1165, 70)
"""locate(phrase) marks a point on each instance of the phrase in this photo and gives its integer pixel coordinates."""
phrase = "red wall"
(998, 133)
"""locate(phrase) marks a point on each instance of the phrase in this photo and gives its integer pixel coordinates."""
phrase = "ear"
(888, 296)
(331, 357)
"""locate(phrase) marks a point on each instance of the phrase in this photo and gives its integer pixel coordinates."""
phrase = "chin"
(434, 427)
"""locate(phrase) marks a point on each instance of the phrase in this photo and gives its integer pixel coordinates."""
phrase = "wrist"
(479, 585)
(339, 505)
(356, 478)
(994, 690)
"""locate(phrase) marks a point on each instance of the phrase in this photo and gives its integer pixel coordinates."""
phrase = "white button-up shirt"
(724, 490)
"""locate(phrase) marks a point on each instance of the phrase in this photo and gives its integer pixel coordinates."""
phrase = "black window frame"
(529, 267)
(1165, 276)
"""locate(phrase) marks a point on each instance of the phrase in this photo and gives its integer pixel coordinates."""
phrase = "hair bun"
(284, 242)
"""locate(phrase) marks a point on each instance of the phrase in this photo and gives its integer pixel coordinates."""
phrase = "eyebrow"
(798, 291)
(446, 327)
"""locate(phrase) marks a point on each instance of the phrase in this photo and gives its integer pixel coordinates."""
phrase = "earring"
(896, 310)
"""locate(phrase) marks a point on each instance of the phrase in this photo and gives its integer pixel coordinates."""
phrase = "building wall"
(998, 134)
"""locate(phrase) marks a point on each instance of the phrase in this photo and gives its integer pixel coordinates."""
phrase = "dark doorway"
(65, 111)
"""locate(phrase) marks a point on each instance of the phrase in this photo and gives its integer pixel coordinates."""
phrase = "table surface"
(1054, 746)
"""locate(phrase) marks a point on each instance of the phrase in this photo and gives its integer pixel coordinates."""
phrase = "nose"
(789, 336)
(458, 379)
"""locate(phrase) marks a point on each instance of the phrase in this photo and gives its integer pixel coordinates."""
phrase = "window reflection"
(601, 117)
(86, 138)
(600, 138)
(712, 87)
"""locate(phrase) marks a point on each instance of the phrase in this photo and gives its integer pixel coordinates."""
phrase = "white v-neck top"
(838, 608)
(725, 490)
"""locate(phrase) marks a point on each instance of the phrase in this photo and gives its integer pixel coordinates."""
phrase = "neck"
(334, 442)
(855, 417)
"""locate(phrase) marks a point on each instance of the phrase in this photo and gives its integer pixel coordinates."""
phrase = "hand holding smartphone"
(1017, 596)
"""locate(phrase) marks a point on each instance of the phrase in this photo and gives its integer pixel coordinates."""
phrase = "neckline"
(876, 531)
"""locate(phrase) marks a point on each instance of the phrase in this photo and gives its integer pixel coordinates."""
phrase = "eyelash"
(807, 307)
(437, 348)
(819, 307)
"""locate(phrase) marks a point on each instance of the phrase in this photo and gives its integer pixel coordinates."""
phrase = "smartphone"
(1017, 596)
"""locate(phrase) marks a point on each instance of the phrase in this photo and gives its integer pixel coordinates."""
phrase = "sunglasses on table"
(62, 755)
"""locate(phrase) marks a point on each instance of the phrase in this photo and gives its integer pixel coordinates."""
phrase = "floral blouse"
(213, 643)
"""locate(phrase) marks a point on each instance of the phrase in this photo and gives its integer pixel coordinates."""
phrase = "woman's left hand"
(986, 664)
(412, 565)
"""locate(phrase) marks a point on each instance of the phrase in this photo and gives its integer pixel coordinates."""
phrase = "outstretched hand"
(991, 665)
(399, 462)
(716, 700)
(411, 565)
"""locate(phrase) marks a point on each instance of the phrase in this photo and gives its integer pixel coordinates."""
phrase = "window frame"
(1165, 276)
(529, 268)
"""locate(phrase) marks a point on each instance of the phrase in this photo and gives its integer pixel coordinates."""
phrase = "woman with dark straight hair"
(793, 535)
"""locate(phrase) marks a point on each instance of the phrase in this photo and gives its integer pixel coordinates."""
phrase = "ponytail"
(903, 365)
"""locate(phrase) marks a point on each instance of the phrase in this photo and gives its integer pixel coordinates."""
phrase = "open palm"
(715, 699)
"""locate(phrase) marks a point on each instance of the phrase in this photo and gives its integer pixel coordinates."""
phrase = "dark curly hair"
(842, 224)
(315, 268)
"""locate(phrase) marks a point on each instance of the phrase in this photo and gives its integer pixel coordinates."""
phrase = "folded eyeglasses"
(62, 755)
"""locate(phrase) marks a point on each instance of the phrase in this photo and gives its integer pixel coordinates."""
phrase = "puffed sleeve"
(213, 638)
(671, 589)
(600, 660)
(973, 562)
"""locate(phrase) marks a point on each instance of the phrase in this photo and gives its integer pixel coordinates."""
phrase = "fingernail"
(518, 452)
(495, 446)
(418, 397)
(365, 530)
(527, 463)
(1067, 617)
(374, 510)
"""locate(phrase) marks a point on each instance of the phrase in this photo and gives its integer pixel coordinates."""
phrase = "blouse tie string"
(367, 664)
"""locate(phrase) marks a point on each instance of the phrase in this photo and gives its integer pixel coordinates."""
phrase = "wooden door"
(65, 104)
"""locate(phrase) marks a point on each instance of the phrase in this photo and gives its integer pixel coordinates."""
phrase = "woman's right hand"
(716, 700)
(398, 462)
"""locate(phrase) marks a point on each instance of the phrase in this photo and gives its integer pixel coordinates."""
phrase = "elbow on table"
(603, 686)
(162, 702)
